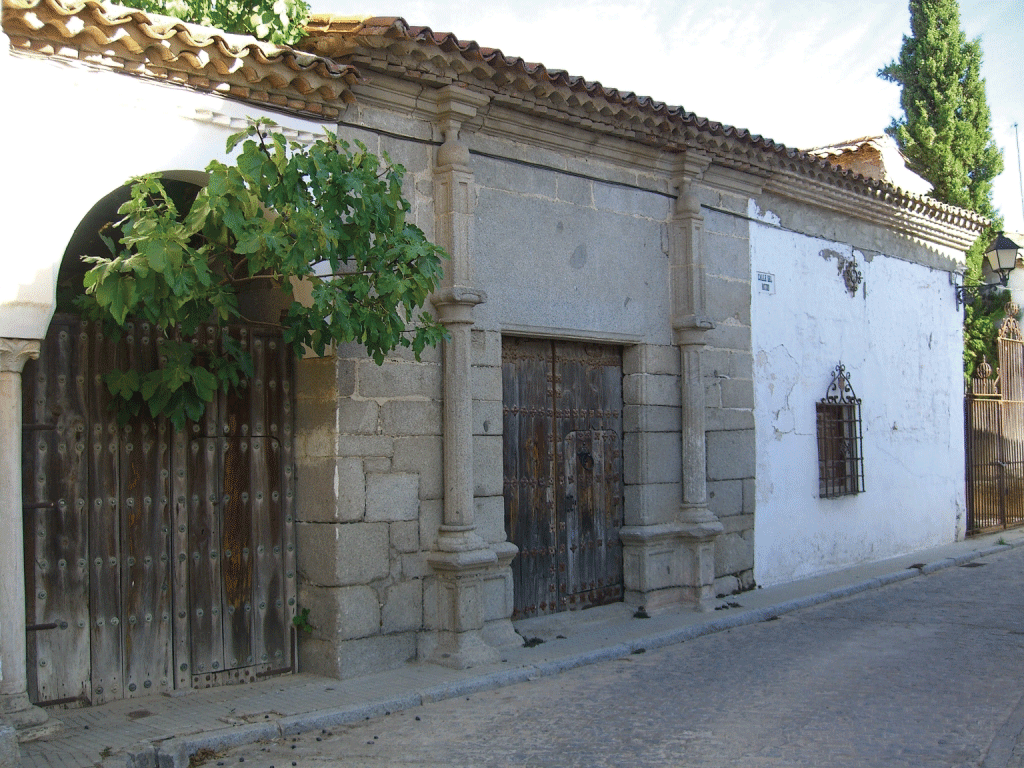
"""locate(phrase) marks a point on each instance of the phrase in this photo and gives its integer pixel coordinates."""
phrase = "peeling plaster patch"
(868, 256)
(765, 217)
(847, 268)
(781, 380)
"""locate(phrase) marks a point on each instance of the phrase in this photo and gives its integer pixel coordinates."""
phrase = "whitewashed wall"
(80, 134)
(900, 340)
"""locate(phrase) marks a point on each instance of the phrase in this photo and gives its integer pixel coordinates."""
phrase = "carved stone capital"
(14, 353)
(691, 330)
(456, 104)
(459, 294)
(687, 203)
(455, 304)
(455, 107)
(689, 166)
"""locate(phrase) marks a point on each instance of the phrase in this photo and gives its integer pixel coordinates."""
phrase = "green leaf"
(122, 384)
(281, 209)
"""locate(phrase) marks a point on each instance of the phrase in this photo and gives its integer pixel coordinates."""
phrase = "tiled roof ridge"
(840, 147)
(168, 48)
(805, 162)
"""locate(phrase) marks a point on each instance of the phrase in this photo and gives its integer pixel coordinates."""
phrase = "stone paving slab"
(165, 730)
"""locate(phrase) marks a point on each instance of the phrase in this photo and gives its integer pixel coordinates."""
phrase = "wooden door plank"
(181, 631)
(205, 500)
(55, 480)
(529, 473)
(270, 625)
(589, 408)
(203, 473)
(573, 444)
(237, 513)
(104, 524)
(145, 526)
(287, 479)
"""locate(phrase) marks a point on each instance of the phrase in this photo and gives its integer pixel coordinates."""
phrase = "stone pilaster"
(14, 703)
(673, 562)
(700, 527)
(461, 558)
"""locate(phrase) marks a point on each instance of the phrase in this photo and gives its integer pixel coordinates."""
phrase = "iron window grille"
(840, 439)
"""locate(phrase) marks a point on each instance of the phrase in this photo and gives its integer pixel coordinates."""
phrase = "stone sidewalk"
(165, 730)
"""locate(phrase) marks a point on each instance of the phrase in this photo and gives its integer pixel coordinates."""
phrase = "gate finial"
(983, 370)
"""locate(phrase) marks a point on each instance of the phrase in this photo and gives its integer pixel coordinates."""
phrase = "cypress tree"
(945, 133)
(945, 130)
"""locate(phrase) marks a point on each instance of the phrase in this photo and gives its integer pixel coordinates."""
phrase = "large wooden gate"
(563, 473)
(994, 417)
(154, 559)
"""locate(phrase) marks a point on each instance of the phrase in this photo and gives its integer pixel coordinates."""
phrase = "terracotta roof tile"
(166, 48)
(638, 117)
(339, 36)
(316, 83)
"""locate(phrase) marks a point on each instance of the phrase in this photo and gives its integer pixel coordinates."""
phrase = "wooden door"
(563, 473)
(240, 545)
(154, 560)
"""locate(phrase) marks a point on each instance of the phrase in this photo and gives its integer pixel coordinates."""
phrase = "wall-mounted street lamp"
(1002, 256)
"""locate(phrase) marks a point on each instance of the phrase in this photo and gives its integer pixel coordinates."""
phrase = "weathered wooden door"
(154, 560)
(563, 473)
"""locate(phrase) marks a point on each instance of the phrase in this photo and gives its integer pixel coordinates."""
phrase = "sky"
(800, 72)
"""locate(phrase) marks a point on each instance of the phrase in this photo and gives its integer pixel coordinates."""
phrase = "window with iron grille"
(840, 444)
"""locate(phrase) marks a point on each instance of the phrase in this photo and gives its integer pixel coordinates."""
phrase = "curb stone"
(478, 684)
(329, 718)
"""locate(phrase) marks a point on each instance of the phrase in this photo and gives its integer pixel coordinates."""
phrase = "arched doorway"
(155, 559)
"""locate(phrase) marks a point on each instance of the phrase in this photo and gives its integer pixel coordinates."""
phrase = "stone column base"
(498, 630)
(669, 565)
(30, 721)
(460, 585)
(698, 540)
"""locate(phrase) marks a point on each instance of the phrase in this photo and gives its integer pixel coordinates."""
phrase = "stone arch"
(182, 186)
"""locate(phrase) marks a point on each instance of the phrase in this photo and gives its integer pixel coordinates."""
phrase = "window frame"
(840, 439)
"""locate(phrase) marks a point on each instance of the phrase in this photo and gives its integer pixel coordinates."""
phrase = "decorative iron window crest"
(840, 438)
(840, 390)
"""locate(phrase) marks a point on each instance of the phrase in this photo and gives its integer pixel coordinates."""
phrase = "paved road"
(926, 672)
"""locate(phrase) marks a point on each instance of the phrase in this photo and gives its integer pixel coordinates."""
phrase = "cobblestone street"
(926, 672)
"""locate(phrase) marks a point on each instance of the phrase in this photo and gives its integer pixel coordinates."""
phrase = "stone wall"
(369, 474)
(369, 504)
(651, 424)
(729, 389)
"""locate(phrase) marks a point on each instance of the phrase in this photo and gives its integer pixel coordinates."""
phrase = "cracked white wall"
(899, 336)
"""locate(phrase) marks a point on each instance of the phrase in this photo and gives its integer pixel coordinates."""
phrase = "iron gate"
(154, 559)
(994, 437)
(563, 473)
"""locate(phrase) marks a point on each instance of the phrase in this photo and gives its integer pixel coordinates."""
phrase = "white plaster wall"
(568, 256)
(900, 339)
(74, 134)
